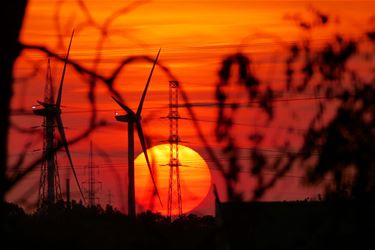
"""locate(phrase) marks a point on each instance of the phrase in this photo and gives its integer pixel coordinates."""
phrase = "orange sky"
(194, 36)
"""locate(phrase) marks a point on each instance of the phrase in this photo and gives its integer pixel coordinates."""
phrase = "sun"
(195, 179)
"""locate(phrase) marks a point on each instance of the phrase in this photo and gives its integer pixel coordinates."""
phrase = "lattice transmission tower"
(174, 191)
(92, 185)
(49, 182)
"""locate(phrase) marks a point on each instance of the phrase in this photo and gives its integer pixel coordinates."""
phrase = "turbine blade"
(143, 143)
(139, 110)
(58, 101)
(60, 127)
(123, 106)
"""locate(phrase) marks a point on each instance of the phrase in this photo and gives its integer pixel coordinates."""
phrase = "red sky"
(194, 37)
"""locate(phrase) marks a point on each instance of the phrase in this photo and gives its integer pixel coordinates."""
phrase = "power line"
(123, 165)
(263, 149)
(196, 104)
(268, 173)
(251, 125)
(119, 51)
(248, 104)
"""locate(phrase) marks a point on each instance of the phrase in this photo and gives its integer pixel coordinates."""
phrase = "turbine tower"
(132, 119)
(52, 117)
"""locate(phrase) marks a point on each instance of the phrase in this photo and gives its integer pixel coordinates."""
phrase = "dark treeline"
(305, 224)
(80, 227)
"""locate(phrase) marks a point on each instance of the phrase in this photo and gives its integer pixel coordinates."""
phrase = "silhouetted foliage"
(79, 227)
(259, 225)
(344, 145)
(224, 132)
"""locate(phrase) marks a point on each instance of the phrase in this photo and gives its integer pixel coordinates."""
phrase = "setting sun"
(194, 175)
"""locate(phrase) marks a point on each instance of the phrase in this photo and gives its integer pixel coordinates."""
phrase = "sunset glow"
(195, 37)
(195, 179)
(187, 124)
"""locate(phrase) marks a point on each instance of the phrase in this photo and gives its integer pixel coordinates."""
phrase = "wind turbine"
(52, 114)
(132, 119)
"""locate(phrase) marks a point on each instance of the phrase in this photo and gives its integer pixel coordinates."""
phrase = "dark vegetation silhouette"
(341, 148)
(80, 227)
(256, 225)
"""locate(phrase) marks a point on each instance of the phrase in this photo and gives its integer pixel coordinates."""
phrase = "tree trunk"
(11, 18)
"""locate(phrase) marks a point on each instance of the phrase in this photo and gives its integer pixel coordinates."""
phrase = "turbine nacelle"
(49, 109)
(126, 118)
(129, 117)
(45, 111)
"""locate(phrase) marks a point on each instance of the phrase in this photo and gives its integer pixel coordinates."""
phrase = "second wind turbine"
(135, 119)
